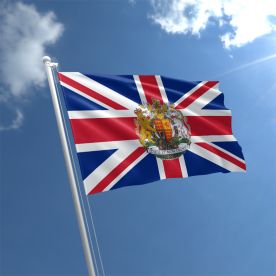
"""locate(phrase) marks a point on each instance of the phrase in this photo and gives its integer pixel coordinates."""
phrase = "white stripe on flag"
(214, 158)
(183, 166)
(86, 147)
(140, 89)
(125, 171)
(205, 112)
(227, 152)
(161, 168)
(92, 180)
(101, 89)
(84, 95)
(205, 98)
(112, 113)
(213, 138)
(189, 93)
(162, 89)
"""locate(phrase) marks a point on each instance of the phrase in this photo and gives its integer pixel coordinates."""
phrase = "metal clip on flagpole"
(72, 178)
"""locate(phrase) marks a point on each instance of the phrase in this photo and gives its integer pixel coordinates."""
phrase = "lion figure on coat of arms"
(162, 130)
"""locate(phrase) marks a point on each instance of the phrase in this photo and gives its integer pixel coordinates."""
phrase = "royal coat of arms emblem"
(162, 130)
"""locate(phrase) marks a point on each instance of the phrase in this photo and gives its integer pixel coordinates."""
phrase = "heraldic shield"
(163, 131)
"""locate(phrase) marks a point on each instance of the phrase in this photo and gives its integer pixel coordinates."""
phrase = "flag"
(135, 129)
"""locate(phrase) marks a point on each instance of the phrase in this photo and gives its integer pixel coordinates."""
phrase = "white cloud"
(16, 122)
(250, 20)
(247, 19)
(25, 33)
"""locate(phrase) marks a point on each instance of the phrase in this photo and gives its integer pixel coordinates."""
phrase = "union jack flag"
(101, 112)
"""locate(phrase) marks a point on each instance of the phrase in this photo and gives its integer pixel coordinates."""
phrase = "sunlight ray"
(246, 65)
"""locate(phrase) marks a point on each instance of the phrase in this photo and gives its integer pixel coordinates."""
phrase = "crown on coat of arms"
(162, 130)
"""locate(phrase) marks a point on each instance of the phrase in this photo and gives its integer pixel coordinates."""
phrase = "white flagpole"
(72, 178)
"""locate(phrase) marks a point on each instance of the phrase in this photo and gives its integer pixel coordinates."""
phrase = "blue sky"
(206, 225)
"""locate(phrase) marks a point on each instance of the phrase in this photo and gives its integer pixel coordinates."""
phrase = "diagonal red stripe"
(222, 154)
(194, 96)
(117, 171)
(151, 88)
(90, 92)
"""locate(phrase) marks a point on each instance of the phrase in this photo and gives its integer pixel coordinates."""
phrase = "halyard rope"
(80, 194)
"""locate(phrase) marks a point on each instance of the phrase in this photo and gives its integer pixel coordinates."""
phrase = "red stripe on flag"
(116, 129)
(90, 92)
(118, 170)
(210, 125)
(196, 94)
(103, 130)
(172, 168)
(222, 154)
(151, 89)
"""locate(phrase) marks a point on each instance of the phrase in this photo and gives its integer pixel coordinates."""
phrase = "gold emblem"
(162, 130)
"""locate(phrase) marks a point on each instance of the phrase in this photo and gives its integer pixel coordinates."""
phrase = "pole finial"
(46, 59)
(48, 62)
